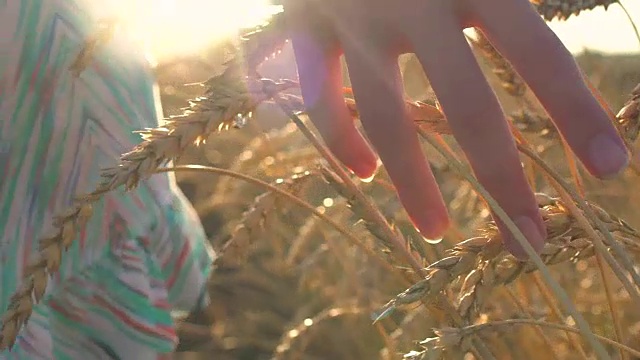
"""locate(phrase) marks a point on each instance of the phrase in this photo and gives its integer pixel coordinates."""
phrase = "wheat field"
(316, 264)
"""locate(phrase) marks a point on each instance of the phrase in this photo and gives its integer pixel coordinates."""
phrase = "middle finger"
(476, 119)
(375, 77)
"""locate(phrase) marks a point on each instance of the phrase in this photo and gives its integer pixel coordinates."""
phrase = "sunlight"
(607, 31)
(173, 28)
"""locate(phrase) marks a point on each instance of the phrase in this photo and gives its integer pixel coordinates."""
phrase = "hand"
(373, 33)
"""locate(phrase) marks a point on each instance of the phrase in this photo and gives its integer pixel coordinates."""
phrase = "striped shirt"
(143, 253)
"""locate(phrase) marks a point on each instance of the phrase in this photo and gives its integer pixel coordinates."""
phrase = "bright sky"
(173, 28)
(181, 26)
(606, 31)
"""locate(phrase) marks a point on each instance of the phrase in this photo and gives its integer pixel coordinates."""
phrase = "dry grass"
(310, 255)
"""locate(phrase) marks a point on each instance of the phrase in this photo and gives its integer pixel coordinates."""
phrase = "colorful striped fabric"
(144, 253)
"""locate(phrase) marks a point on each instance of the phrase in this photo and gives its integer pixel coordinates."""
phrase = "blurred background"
(303, 292)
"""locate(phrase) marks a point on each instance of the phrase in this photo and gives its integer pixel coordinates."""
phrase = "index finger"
(319, 70)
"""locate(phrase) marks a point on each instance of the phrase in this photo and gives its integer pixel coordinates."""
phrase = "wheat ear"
(629, 117)
(264, 41)
(483, 260)
(255, 219)
(446, 338)
(563, 9)
(510, 80)
(229, 98)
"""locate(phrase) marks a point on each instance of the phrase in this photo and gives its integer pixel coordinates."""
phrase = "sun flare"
(177, 28)
(172, 28)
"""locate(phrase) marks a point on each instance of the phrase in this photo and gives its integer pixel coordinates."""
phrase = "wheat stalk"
(358, 207)
(228, 100)
(264, 41)
(269, 143)
(628, 124)
(228, 97)
(255, 219)
(425, 116)
(287, 342)
(629, 117)
(399, 244)
(448, 338)
(558, 291)
(430, 119)
(485, 263)
(533, 123)
(510, 80)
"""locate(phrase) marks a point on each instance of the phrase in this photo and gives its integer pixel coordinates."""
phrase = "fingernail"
(608, 156)
(531, 231)
(431, 227)
(366, 169)
(432, 241)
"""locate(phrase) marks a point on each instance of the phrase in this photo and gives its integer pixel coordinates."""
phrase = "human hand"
(373, 33)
